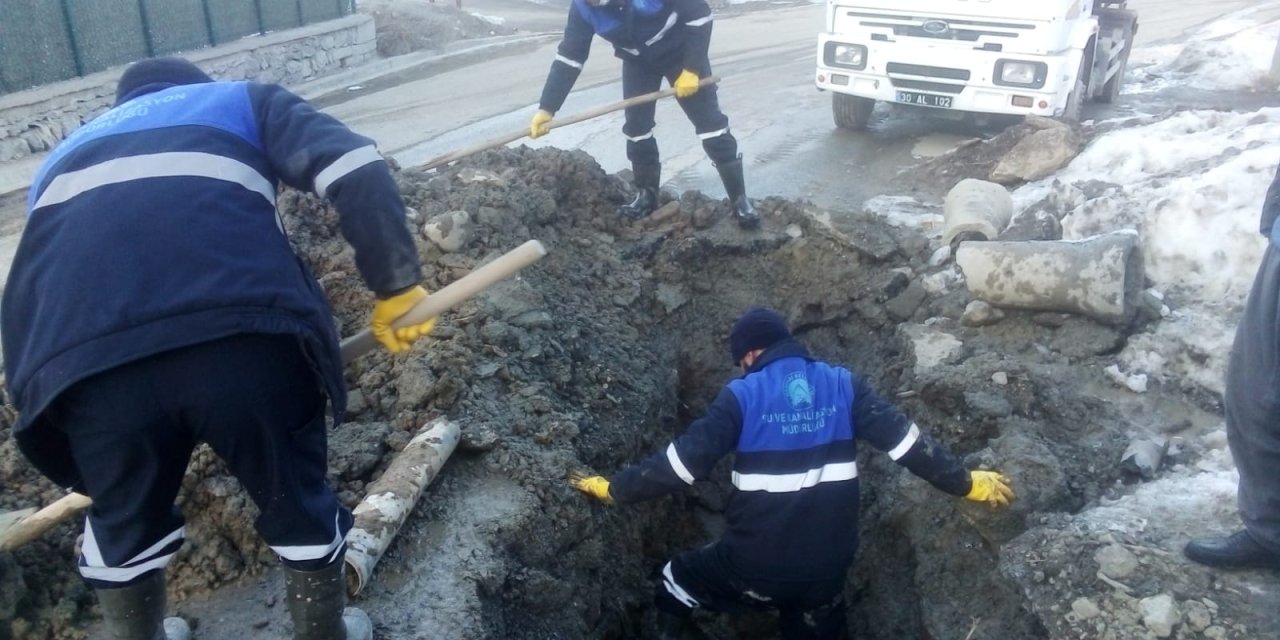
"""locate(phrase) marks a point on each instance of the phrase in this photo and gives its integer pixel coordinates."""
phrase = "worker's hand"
(991, 488)
(540, 125)
(385, 312)
(595, 486)
(686, 84)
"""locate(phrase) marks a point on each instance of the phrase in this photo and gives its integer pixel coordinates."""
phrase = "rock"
(1197, 615)
(1038, 155)
(671, 297)
(1135, 382)
(1032, 225)
(1144, 456)
(472, 176)
(980, 314)
(932, 346)
(988, 405)
(1160, 614)
(904, 305)
(1116, 561)
(1001, 378)
(13, 149)
(1085, 609)
(450, 230)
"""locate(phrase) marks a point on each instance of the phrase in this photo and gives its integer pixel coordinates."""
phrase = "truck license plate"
(924, 99)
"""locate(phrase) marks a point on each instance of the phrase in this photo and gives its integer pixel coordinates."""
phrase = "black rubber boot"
(317, 604)
(1236, 551)
(648, 177)
(735, 186)
(136, 612)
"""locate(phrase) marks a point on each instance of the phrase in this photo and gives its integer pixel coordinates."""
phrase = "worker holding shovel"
(155, 303)
(792, 522)
(655, 39)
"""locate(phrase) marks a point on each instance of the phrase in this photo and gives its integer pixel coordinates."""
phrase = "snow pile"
(1192, 185)
(1233, 54)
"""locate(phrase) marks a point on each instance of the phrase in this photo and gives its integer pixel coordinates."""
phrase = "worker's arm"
(313, 151)
(885, 427)
(570, 56)
(690, 457)
(1271, 207)
(695, 23)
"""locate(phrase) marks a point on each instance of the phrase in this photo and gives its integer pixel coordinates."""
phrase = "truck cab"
(1006, 57)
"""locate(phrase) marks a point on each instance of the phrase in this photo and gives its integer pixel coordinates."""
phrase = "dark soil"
(595, 357)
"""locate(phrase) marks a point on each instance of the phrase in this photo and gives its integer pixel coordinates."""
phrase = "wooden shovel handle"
(494, 143)
(34, 525)
(451, 296)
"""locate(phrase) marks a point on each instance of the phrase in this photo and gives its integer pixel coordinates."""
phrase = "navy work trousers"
(254, 399)
(702, 109)
(702, 578)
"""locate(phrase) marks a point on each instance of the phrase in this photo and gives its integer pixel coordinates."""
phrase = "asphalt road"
(765, 55)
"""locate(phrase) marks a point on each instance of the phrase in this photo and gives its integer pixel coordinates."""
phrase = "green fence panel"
(43, 41)
(278, 15)
(319, 10)
(233, 19)
(35, 47)
(176, 25)
(107, 32)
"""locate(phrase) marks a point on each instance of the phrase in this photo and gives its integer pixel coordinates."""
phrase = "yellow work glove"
(385, 312)
(686, 84)
(540, 125)
(595, 486)
(991, 488)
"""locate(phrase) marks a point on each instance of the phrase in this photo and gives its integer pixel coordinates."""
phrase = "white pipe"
(1100, 277)
(390, 499)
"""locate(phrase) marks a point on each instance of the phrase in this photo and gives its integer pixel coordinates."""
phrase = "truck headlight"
(848, 56)
(1019, 73)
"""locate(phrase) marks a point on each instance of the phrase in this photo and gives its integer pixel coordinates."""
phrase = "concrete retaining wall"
(35, 120)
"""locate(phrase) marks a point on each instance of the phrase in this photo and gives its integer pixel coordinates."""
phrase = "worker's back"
(795, 512)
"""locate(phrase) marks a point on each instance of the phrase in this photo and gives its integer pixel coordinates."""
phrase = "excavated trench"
(593, 358)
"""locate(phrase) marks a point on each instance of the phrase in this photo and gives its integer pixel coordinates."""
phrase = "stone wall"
(35, 120)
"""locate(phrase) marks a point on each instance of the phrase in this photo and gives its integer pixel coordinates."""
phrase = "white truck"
(1007, 57)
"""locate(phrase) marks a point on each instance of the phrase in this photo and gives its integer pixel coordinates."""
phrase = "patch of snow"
(1231, 54)
(905, 211)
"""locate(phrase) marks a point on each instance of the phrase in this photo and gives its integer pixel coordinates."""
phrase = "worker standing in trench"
(155, 303)
(1252, 407)
(792, 531)
(655, 39)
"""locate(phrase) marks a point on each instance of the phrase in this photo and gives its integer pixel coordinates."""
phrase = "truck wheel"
(1110, 20)
(851, 112)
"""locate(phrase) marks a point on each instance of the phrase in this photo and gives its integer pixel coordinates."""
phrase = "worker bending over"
(793, 423)
(155, 303)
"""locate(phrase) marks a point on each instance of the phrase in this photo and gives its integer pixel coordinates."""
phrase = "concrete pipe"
(978, 209)
(391, 498)
(1100, 277)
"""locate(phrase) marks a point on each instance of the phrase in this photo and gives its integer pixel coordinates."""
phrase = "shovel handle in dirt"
(452, 295)
(29, 526)
(494, 143)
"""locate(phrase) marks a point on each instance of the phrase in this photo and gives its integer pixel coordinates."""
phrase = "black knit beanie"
(167, 71)
(758, 328)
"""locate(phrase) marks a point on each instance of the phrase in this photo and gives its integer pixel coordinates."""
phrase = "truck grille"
(927, 71)
(956, 77)
(961, 30)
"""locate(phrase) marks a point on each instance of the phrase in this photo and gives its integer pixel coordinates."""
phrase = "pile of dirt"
(404, 27)
(598, 355)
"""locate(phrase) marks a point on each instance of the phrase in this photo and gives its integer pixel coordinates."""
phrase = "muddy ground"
(597, 356)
